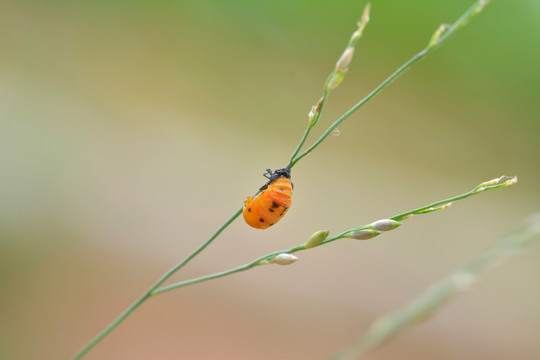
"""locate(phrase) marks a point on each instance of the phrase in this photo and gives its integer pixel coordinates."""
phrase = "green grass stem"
(498, 183)
(425, 305)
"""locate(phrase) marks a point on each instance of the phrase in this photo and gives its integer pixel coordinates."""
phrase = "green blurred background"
(130, 130)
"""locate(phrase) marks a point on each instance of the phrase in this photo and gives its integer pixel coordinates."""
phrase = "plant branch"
(440, 35)
(149, 292)
(332, 82)
(425, 305)
(498, 183)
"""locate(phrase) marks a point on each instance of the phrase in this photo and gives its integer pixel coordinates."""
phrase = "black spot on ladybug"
(271, 224)
(271, 210)
(284, 209)
(261, 220)
(249, 209)
(275, 204)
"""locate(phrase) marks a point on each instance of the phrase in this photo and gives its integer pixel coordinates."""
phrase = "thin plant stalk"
(498, 183)
(330, 84)
(387, 326)
(150, 291)
(441, 34)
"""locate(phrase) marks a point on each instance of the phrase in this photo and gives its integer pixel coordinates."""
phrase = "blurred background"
(131, 130)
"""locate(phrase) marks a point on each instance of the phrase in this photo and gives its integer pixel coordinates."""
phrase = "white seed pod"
(284, 259)
(311, 115)
(345, 59)
(363, 234)
(385, 225)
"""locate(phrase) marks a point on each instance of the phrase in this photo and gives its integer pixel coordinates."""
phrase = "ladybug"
(272, 203)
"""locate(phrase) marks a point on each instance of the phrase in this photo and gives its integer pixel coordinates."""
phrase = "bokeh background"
(130, 130)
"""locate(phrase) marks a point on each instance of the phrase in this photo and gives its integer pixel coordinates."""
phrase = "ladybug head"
(271, 176)
(276, 174)
(281, 173)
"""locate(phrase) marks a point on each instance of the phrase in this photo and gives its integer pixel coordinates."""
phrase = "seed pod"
(385, 225)
(345, 59)
(363, 234)
(335, 79)
(284, 259)
(316, 239)
(437, 35)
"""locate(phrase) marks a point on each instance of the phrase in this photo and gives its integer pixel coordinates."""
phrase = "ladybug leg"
(268, 174)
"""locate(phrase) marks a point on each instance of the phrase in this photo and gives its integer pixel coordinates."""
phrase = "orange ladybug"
(272, 203)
